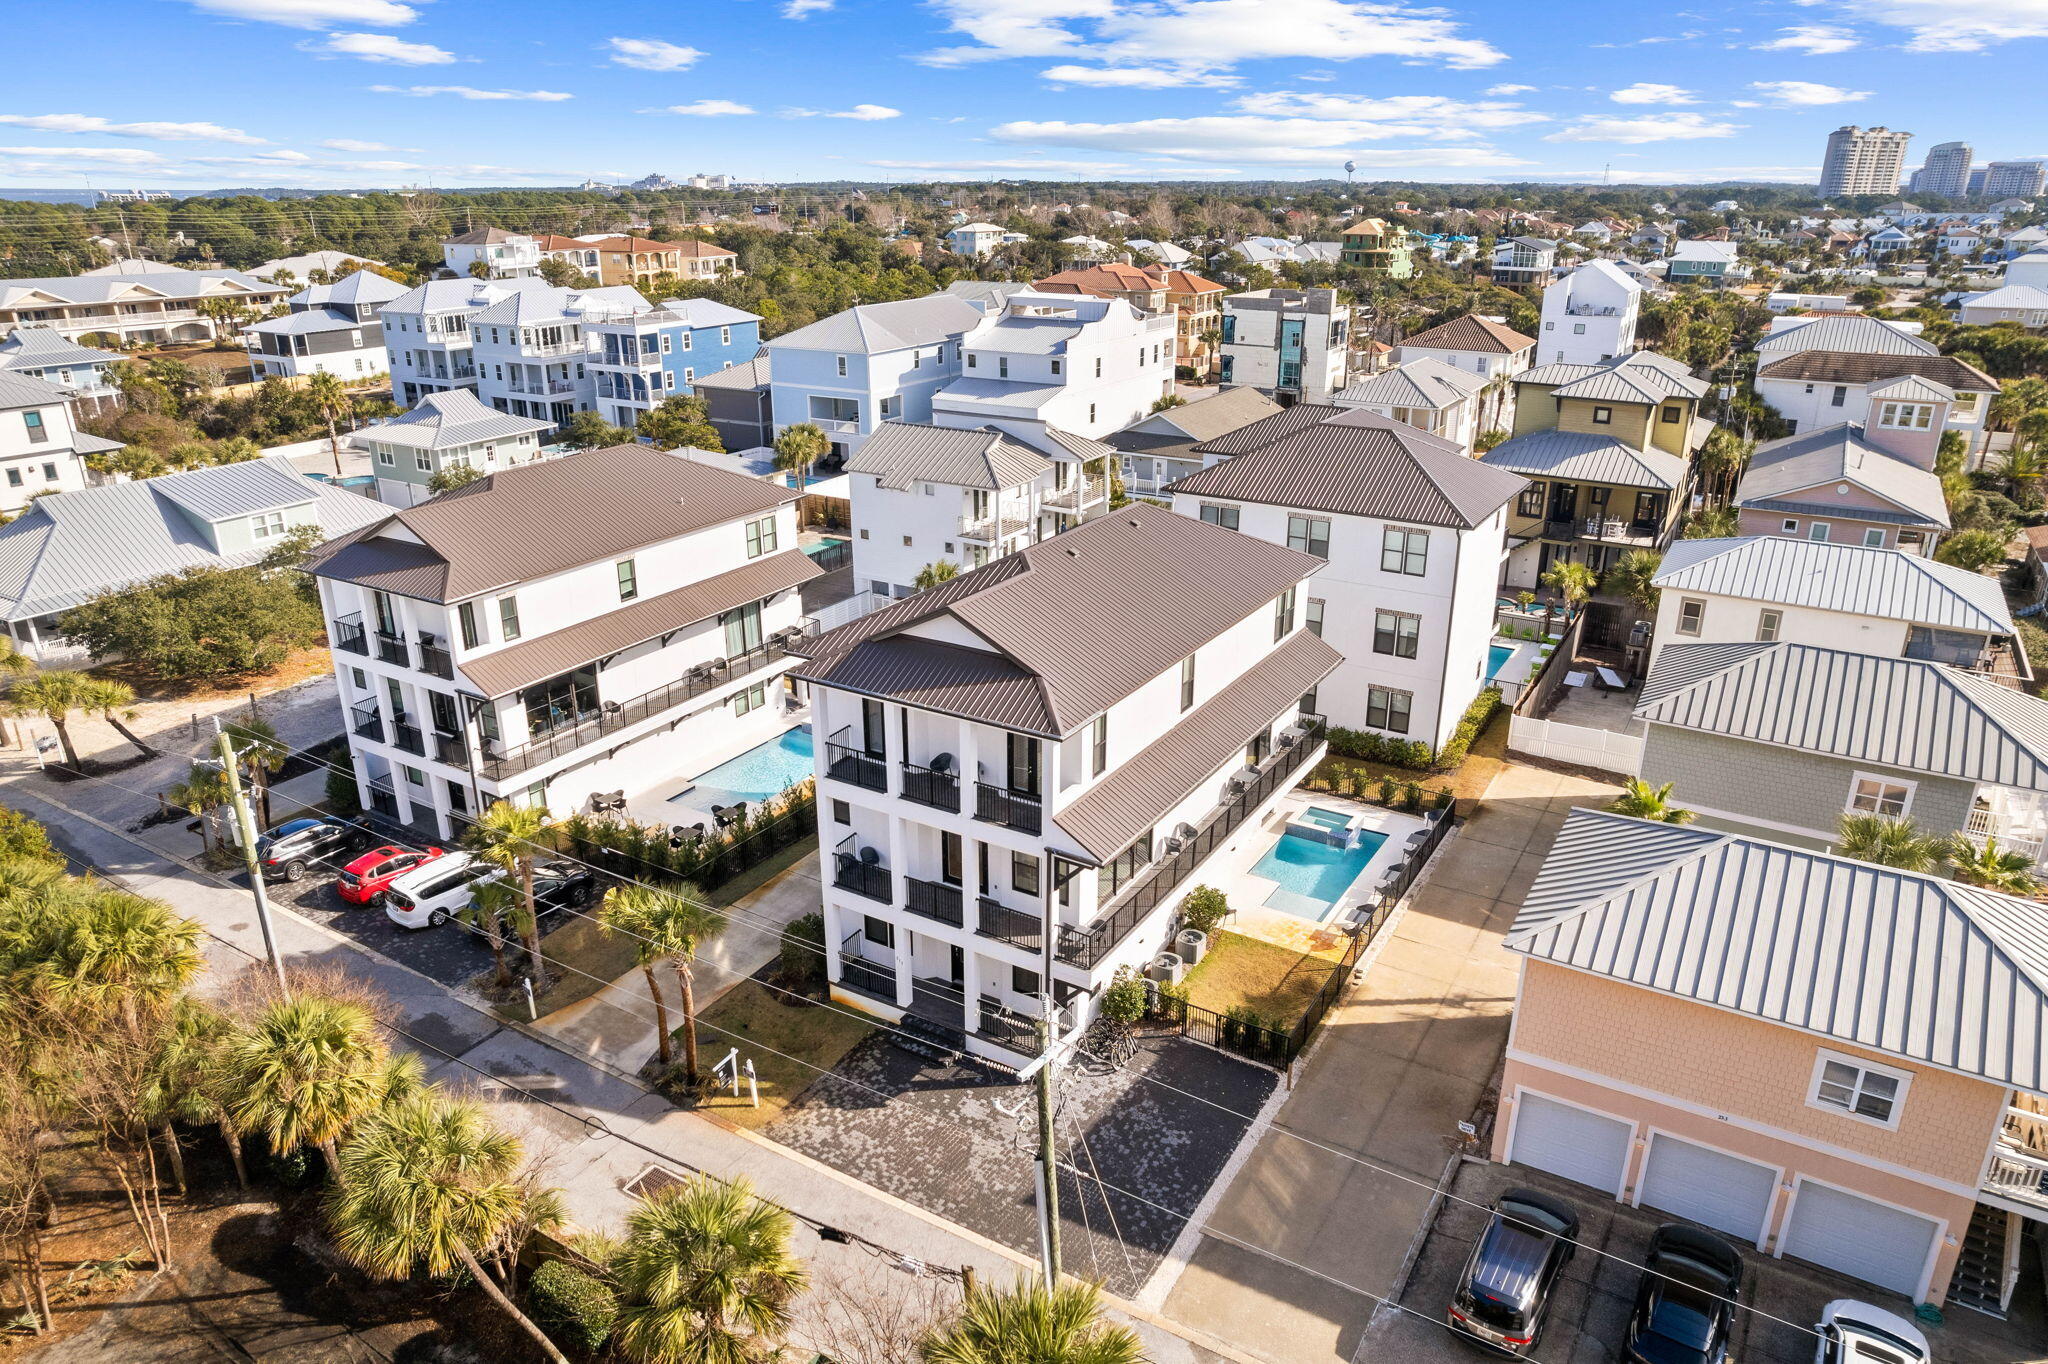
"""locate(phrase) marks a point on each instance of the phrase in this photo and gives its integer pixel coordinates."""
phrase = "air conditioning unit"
(1167, 968)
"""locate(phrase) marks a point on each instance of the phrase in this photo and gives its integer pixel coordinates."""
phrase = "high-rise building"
(2021, 179)
(1945, 172)
(1977, 174)
(1863, 161)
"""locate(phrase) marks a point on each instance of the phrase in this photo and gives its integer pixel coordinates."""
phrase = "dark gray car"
(1514, 1266)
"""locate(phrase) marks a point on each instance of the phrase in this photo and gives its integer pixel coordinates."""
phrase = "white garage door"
(1857, 1237)
(1701, 1185)
(1571, 1142)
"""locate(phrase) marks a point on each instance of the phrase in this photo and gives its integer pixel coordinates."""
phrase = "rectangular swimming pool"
(765, 770)
(1313, 875)
(1496, 655)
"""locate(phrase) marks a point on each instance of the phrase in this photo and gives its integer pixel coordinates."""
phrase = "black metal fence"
(833, 554)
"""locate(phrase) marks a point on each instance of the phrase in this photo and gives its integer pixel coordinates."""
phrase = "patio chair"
(942, 762)
(871, 857)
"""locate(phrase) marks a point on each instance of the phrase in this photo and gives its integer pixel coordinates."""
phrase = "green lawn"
(1276, 982)
(582, 958)
(761, 1024)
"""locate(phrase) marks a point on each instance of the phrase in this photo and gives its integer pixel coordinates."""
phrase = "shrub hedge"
(574, 1308)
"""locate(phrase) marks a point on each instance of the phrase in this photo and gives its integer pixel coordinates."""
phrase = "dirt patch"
(149, 689)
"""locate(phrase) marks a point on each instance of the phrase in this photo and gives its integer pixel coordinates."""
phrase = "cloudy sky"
(199, 94)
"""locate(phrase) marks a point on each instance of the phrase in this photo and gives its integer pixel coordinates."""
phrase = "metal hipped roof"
(1888, 583)
(901, 454)
(1905, 964)
(1841, 454)
(929, 674)
(1581, 457)
(1893, 712)
(1422, 382)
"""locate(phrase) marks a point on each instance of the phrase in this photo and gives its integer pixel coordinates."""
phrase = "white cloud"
(1802, 93)
(1135, 77)
(1649, 92)
(351, 144)
(704, 108)
(864, 113)
(1396, 115)
(1507, 90)
(804, 9)
(1648, 128)
(469, 92)
(651, 54)
(1953, 25)
(113, 156)
(156, 132)
(1074, 168)
(1207, 35)
(1270, 141)
(313, 13)
(1817, 39)
(381, 47)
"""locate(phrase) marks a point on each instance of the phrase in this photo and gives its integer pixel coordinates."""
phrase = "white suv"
(429, 897)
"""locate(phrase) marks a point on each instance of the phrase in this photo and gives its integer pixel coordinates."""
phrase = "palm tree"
(179, 1087)
(54, 696)
(1571, 580)
(676, 923)
(2021, 472)
(508, 837)
(800, 446)
(1991, 866)
(1633, 576)
(1889, 842)
(110, 953)
(304, 1070)
(2014, 400)
(333, 403)
(493, 904)
(261, 754)
(706, 1276)
(626, 912)
(1713, 523)
(104, 697)
(1645, 801)
(1025, 1323)
(431, 1184)
(934, 573)
(204, 790)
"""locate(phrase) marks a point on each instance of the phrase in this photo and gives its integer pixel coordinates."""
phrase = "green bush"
(802, 957)
(1123, 1001)
(1204, 908)
(575, 1309)
(343, 797)
(1411, 796)
(1471, 725)
(1388, 786)
(21, 837)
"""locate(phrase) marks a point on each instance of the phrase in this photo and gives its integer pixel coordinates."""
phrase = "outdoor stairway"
(1980, 1268)
(922, 1035)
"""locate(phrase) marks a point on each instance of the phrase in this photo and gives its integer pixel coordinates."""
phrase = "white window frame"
(1873, 537)
(1856, 780)
(1819, 531)
(1770, 625)
(1903, 1079)
(1699, 619)
(1790, 526)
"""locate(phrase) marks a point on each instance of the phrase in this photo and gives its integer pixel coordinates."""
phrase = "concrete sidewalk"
(1342, 1181)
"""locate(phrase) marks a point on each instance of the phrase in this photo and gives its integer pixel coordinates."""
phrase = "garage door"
(1857, 1237)
(1702, 1185)
(1571, 1142)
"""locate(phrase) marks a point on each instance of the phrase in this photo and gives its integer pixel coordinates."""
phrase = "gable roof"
(1578, 456)
(904, 453)
(1863, 367)
(1472, 333)
(1906, 964)
(1422, 382)
(1913, 388)
(1176, 432)
(486, 236)
(871, 328)
(1834, 577)
(1909, 714)
(37, 347)
(1359, 463)
(19, 390)
(1784, 468)
(448, 420)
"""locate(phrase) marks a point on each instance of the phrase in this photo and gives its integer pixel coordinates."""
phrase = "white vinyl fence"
(1598, 748)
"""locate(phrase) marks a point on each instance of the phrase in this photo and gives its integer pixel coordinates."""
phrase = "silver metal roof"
(1785, 468)
(228, 490)
(903, 453)
(871, 328)
(1832, 577)
(1894, 712)
(1869, 335)
(1580, 457)
(356, 287)
(1910, 965)
(1422, 382)
(306, 322)
(18, 390)
(34, 347)
(449, 420)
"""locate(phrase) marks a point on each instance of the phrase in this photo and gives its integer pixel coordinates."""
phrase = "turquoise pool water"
(1312, 875)
(1496, 655)
(825, 546)
(762, 771)
(1323, 819)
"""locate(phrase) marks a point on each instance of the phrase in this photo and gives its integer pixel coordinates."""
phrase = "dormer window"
(1603, 416)
(267, 525)
(1905, 416)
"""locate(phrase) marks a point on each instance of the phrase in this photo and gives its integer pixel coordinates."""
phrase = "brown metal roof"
(1358, 463)
(542, 518)
(1138, 794)
(507, 670)
(1095, 612)
(1269, 429)
(1853, 367)
(1472, 333)
(971, 683)
(404, 568)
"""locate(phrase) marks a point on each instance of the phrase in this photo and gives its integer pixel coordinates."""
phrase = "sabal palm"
(1571, 580)
(54, 696)
(204, 790)
(1645, 801)
(1633, 576)
(625, 913)
(675, 923)
(431, 1184)
(261, 755)
(508, 836)
(121, 954)
(332, 402)
(706, 1276)
(800, 446)
(1712, 523)
(1889, 842)
(492, 908)
(104, 697)
(179, 1084)
(303, 1070)
(1991, 866)
(1025, 1324)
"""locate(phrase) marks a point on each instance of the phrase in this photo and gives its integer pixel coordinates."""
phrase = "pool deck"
(1231, 872)
(657, 804)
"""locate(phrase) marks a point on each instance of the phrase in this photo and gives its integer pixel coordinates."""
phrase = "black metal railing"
(349, 635)
(1007, 1029)
(940, 790)
(391, 648)
(451, 749)
(850, 871)
(367, 721)
(383, 799)
(408, 737)
(436, 660)
(934, 900)
(854, 766)
(575, 732)
(1013, 809)
(1008, 925)
(1156, 884)
(865, 977)
(833, 554)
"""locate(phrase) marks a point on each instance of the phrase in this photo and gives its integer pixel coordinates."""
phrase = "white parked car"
(429, 897)
(1854, 1332)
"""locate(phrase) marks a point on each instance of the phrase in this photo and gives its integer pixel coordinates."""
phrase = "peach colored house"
(1826, 1059)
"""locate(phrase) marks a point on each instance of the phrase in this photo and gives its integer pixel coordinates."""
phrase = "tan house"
(1829, 1060)
(1197, 302)
(637, 260)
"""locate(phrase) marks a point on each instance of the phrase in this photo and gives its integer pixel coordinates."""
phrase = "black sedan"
(1685, 1304)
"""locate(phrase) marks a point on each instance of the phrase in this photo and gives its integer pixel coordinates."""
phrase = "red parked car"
(364, 881)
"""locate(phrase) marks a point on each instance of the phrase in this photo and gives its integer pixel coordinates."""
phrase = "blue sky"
(198, 94)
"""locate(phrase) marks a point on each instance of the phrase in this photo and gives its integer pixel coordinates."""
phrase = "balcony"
(1075, 496)
(435, 659)
(451, 749)
(2019, 1160)
(994, 530)
(1159, 882)
(1587, 310)
(1007, 1029)
(391, 648)
(935, 901)
(1009, 925)
(613, 360)
(557, 348)
(854, 766)
(556, 741)
(1011, 809)
(383, 799)
(349, 634)
(365, 721)
(864, 977)
(1609, 530)
(541, 387)
(833, 426)
(935, 787)
(408, 737)
(860, 870)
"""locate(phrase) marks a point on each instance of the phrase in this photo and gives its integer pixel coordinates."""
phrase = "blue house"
(81, 371)
(644, 359)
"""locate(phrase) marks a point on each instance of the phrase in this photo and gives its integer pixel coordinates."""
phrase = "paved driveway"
(1342, 1185)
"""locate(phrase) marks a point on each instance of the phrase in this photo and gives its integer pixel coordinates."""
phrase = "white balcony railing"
(834, 427)
(2018, 1176)
(1986, 823)
(557, 348)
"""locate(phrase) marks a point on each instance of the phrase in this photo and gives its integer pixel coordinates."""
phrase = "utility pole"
(1048, 1166)
(245, 824)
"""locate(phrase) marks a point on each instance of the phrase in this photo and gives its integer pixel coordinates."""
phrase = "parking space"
(1588, 1317)
(450, 954)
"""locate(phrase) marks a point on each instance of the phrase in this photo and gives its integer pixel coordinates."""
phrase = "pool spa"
(1317, 857)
